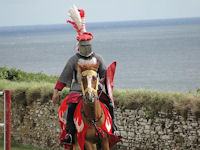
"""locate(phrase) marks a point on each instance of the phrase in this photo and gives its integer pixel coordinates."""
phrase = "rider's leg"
(111, 110)
(70, 126)
(114, 126)
(106, 100)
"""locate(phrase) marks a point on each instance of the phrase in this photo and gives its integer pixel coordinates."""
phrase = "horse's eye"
(94, 78)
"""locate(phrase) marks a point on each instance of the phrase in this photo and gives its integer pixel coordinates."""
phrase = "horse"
(92, 111)
(95, 118)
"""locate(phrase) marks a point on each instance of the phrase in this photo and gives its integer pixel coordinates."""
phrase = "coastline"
(149, 56)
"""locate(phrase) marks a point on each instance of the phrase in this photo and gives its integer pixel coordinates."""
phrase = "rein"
(93, 121)
(91, 73)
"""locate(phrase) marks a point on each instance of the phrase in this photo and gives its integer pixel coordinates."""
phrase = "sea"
(162, 55)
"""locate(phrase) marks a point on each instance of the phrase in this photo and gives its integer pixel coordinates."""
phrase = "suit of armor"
(71, 78)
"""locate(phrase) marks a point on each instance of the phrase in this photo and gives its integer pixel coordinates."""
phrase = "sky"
(37, 12)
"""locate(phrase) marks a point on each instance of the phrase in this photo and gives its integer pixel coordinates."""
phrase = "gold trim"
(89, 72)
(86, 73)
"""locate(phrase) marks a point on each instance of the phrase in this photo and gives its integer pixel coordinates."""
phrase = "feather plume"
(78, 22)
(75, 16)
(83, 29)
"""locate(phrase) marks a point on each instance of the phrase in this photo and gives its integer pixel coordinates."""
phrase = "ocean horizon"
(151, 54)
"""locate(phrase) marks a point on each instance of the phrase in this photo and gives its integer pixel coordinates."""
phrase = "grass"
(17, 146)
(155, 101)
(24, 93)
(27, 87)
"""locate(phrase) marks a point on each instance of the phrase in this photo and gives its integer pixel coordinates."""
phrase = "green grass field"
(17, 146)
(24, 93)
(26, 87)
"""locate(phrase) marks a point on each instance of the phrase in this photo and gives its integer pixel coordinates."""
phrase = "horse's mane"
(87, 66)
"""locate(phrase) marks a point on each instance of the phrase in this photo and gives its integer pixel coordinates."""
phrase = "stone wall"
(37, 124)
(166, 131)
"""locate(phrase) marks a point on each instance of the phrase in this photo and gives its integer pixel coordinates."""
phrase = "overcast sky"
(34, 12)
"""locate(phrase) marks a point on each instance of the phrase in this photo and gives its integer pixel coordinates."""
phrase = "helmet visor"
(85, 50)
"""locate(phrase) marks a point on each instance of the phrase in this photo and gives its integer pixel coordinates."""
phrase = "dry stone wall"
(37, 124)
(165, 131)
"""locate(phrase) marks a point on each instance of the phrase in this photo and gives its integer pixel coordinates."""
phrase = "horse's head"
(89, 81)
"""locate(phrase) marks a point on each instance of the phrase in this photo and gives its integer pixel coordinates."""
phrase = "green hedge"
(27, 87)
(24, 93)
(14, 74)
(155, 101)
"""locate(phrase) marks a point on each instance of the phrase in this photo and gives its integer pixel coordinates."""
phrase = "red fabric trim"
(73, 98)
(60, 85)
(103, 97)
(82, 127)
(109, 79)
(62, 122)
(85, 36)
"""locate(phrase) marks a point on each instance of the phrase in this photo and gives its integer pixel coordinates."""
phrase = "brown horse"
(92, 112)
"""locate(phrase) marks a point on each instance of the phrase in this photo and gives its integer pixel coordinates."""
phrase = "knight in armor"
(72, 79)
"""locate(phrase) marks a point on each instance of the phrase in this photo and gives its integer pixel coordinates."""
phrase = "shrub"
(19, 75)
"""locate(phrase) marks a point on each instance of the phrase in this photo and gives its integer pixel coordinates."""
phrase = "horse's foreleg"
(76, 145)
(105, 143)
(89, 145)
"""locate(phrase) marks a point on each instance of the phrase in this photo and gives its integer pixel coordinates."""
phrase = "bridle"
(89, 89)
(93, 121)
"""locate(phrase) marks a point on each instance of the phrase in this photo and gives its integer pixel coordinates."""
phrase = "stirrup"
(67, 140)
(117, 133)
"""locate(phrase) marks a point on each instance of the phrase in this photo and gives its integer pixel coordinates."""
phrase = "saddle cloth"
(81, 126)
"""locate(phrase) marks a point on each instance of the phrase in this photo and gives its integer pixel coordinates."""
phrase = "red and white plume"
(78, 17)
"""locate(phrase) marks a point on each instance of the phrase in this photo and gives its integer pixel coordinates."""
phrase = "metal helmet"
(85, 48)
(84, 38)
